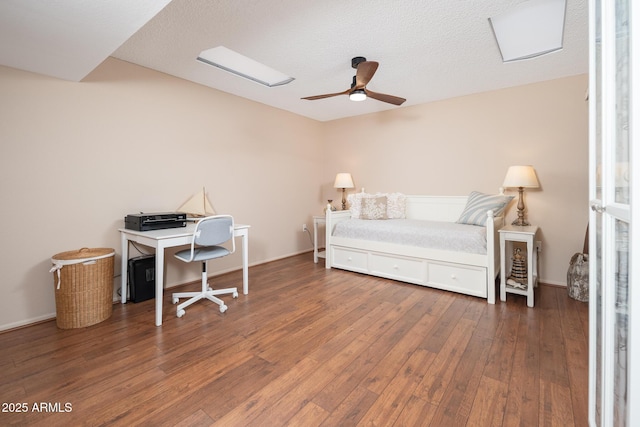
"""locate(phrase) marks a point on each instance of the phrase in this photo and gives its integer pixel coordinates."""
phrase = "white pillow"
(396, 206)
(353, 201)
(475, 211)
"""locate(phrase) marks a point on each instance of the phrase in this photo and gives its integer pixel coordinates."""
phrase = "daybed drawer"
(458, 278)
(350, 259)
(403, 269)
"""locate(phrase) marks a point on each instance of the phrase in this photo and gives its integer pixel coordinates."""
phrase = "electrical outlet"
(304, 227)
(539, 245)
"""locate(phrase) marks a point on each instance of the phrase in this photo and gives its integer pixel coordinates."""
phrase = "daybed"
(466, 268)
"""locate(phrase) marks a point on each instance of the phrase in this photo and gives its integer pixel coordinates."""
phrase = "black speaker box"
(142, 278)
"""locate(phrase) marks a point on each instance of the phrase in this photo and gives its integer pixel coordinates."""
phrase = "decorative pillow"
(475, 211)
(396, 206)
(353, 201)
(373, 207)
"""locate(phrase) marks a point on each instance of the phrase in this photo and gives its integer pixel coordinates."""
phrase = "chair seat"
(203, 254)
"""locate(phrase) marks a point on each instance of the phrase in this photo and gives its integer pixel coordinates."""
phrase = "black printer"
(155, 221)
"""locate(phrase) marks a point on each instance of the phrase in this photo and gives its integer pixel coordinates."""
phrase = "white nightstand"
(526, 234)
(317, 220)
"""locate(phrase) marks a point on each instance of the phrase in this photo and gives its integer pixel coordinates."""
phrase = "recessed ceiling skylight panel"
(529, 29)
(242, 66)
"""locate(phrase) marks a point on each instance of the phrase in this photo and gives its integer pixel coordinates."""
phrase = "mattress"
(448, 236)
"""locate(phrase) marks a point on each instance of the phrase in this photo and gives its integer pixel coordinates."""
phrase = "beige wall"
(76, 157)
(459, 145)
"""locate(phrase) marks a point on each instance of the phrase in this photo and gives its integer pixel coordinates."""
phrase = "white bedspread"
(426, 234)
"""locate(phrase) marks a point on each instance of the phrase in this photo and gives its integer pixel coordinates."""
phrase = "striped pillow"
(475, 212)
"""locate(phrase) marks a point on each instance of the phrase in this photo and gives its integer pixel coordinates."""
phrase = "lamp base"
(520, 222)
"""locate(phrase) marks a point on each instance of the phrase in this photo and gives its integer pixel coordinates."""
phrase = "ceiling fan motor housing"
(357, 60)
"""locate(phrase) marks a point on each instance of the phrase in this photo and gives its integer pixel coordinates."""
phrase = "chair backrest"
(214, 230)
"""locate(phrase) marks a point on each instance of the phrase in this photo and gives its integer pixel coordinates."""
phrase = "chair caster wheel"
(235, 294)
(175, 300)
(223, 308)
(180, 313)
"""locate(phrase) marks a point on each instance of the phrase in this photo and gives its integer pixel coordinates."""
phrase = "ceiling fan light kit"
(358, 90)
(358, 95)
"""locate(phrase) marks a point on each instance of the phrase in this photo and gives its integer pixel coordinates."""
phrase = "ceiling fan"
(358, 90)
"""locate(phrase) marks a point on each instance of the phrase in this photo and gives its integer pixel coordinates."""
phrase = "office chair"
(210, 232)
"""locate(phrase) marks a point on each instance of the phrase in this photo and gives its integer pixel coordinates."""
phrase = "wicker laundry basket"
(83, 281)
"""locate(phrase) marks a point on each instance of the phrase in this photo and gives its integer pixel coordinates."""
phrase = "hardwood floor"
(308, 347)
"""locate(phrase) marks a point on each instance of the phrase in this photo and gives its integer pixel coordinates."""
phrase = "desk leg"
(245, 262)
(159, 282)
(124, 244)
(503, 270)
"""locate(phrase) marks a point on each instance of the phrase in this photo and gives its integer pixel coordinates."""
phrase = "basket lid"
(84, 254)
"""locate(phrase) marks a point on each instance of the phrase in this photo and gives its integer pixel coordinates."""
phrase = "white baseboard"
(28, 322)
(552, 282)
(229, 270)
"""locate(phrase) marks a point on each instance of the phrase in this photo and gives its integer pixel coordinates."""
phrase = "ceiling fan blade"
(364, 73)
(395, 100)
(327, 95)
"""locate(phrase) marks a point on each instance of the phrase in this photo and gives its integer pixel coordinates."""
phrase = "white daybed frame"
(466, 273)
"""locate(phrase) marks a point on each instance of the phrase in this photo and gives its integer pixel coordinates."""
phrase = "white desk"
(168, 238)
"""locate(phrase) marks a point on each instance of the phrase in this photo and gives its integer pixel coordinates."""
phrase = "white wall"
(75, 158)
(455, 146)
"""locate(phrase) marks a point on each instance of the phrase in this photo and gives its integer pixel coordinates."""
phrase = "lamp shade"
(343, 180)
(521, 176)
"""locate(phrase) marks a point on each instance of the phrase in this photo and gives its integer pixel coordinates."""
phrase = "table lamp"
(343, 181)
(520, 177)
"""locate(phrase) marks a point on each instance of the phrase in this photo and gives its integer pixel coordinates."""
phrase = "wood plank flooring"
(308, 347)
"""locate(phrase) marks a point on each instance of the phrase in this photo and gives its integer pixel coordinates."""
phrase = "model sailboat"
(197, 206)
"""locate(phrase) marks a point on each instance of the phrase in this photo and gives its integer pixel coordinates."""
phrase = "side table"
(317, 220)
(515, 233)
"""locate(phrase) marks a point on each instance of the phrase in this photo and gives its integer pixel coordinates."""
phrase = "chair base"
(206, 292)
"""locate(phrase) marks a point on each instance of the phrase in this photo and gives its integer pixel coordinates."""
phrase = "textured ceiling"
(427, 50)
(68, 39)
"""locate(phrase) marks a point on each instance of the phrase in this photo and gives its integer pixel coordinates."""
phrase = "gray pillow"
(475, 211)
